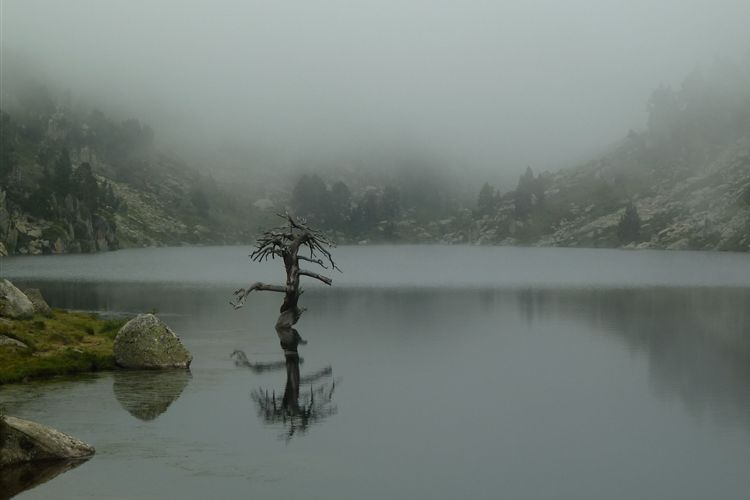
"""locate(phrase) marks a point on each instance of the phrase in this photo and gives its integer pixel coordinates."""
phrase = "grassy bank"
(66, 343)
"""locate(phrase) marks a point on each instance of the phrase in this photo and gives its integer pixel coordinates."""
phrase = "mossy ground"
(66, 343)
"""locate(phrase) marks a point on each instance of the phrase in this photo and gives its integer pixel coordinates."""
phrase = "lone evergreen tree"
(341, 205)
(390, 203)
(7, 149)
(523, 196)
(85, 187)
(62, 175)
(629, 228)
(486, 199)
(311, 199)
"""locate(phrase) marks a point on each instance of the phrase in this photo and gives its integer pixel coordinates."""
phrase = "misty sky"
(486, 85)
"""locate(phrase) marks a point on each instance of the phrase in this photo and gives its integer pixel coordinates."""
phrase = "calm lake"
(430, 372)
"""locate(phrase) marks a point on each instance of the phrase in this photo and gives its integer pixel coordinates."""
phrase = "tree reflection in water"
(294, 411)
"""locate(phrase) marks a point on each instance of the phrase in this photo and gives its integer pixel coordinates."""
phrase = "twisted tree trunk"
(286, 242)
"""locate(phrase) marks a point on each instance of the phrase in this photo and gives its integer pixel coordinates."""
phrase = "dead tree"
(286, 242)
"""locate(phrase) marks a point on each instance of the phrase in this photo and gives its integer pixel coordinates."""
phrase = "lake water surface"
(430, 372)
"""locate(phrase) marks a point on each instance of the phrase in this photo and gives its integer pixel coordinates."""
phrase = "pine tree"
(390, 204)
(486, 200)
(40, 201)
(629, 228)
(341, 205)
(369, 209)
(523, 194)
(7, 151)
(62, 175)
(85, 188)
(311, 200)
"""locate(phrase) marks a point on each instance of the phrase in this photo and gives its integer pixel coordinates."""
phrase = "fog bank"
(485, 87)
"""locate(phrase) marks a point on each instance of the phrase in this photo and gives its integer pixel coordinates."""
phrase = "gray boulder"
(13, 302)
(23, 441)
(145, 342)
(40, 305)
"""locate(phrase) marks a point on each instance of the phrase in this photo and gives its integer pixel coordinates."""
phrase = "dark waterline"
(515, 392)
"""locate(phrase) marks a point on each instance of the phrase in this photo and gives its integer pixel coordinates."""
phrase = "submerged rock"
(23, 441)
(13, 302)
(40, 305)
(146, 342)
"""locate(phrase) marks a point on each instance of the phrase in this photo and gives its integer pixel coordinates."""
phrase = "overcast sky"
(488, 85)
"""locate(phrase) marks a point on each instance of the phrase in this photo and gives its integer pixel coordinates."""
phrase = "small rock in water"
(13, 302)
(25, 441)
(145, 342)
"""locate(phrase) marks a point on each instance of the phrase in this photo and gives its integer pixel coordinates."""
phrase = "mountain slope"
(684, 183)
(78, 181)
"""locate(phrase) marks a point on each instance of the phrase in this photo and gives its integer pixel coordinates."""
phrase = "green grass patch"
(66, 343)
(111, 325)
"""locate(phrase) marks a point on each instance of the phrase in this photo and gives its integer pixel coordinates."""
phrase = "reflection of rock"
(146, 342)
(25, 441)
(13, 303)
(40, 305)
(148, 394)
(22, 477)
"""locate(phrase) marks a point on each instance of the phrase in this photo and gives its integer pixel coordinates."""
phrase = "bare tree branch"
(241, 294)
(324, 279)
(314, 261)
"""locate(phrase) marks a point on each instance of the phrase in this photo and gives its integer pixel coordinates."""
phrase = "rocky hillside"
(706, 210)
(683, 183)
(74, 180)
(632, 196)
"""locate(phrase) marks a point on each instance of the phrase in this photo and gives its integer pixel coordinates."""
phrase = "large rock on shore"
(145, 342)
(23, 441)
(13, 302)
(40, 305)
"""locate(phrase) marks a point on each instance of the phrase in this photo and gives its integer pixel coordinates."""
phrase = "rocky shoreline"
(37, 341)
